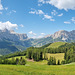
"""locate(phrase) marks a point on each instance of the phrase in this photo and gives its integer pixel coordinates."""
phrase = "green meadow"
(56, 44)
(58, 56)
(38, 68)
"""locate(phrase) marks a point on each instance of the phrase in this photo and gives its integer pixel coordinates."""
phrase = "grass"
(32, 68)
(56, 44)
(18, 57)
(39, 68)
(0, 55)
(58, 56)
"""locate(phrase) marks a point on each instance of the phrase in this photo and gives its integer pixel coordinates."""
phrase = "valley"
(37, 37)
(36, 64)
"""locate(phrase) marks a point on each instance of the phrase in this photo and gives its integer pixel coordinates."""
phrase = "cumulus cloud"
(48, 17)
(41, 1)
(35, 36)
(6, 8)
(73, 20)
(38, 12)
(0, 13)
(1, 7)
(54, 12)
(12, 11)
(7, 25)
(31, 32)
(60, 14)
(60, 4)
(42, 33)
(21, 25)
(67, 22)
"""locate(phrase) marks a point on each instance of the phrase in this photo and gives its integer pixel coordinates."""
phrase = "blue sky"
(37, 18)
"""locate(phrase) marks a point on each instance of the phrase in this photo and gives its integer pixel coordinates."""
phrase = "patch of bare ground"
(30, 60)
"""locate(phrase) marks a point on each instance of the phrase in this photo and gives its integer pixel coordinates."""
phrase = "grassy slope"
(38, 68)
(56, 44)
(32, 68)
(58, 56)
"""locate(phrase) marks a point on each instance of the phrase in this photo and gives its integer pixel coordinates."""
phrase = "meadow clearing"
(38, 68)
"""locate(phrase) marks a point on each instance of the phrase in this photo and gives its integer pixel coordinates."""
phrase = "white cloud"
(39, 4)
(6, 8)
(54, 12)
(67, 22)
(14, 11)
(38, 12)
(60, 4)
(31, 32)
(1, 7)
(41, 1)
(32, 12)
(60, 14)
(52, 19)
(40, 36)
(0, 13)
(42, 33)
(7, 25)
(73, 20)
(48, 17)
(21, 25)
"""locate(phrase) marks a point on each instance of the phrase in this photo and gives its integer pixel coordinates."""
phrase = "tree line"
(38, 54)
(13, 61)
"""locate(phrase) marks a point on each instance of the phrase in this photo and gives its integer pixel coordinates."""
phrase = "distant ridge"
(21, 41)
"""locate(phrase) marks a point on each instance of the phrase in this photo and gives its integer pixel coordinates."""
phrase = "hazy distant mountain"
(19, 42)
(11, 41)
(11, 35)
(62, 35)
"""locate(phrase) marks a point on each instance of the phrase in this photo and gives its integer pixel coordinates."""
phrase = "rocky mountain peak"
(12, 35)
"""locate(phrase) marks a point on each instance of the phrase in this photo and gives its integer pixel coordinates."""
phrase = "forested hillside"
(40, 53)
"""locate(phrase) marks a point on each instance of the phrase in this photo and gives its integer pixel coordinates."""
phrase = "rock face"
(11, 35)
(23, 40)
(64, 35)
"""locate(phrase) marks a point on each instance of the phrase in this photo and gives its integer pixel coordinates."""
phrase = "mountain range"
(10, 41)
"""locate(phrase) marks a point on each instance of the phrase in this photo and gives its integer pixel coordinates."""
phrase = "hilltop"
(56, 44)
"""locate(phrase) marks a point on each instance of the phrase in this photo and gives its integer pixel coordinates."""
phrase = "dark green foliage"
(17, 60)
(35, 53)
(63, 62)
(0, 61)
(23, 53)
(58, 63)
(20, 61)
(52, 61)
(70, 55)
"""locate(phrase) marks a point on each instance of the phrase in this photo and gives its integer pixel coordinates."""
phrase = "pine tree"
(58, 62)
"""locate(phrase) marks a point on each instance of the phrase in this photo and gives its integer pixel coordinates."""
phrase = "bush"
(58, 62)
(63, 62)
(52, 61)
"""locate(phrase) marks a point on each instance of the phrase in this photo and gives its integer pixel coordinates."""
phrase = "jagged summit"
(12, 35)
(63, 35)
